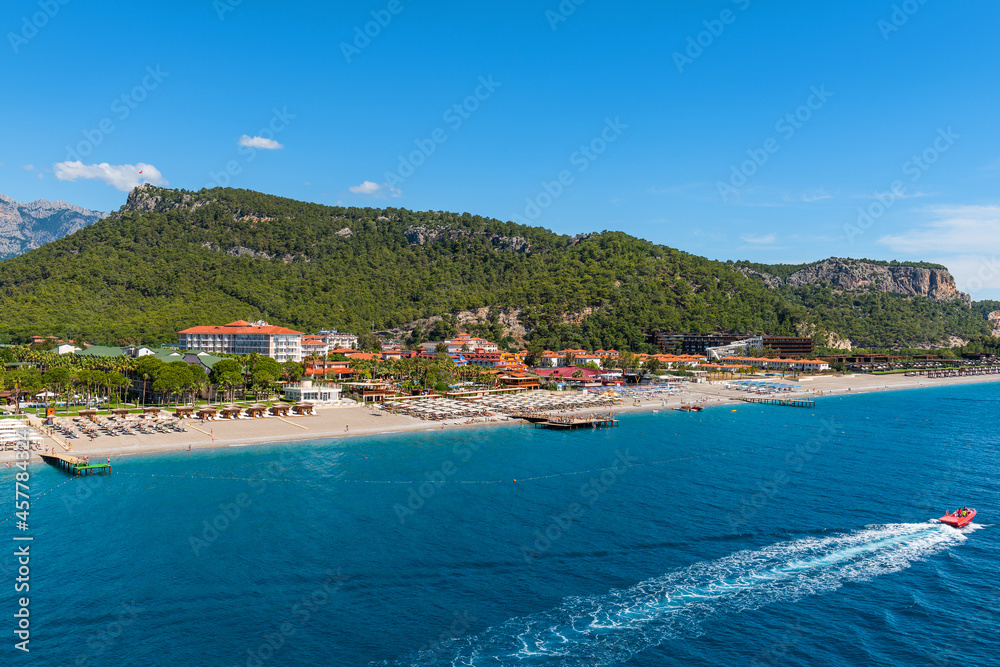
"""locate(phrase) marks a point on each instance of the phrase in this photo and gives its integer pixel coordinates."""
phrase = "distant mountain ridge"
(26, 226)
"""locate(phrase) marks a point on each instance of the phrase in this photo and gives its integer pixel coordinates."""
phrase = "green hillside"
(173, 259)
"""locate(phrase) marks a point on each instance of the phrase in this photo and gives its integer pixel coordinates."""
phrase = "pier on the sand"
(74, 465)
(592, 421)
(787, 402)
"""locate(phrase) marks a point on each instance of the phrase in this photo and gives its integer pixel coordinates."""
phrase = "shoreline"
(333, 423)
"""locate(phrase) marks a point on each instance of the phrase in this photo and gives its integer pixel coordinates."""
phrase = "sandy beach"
(356, 420)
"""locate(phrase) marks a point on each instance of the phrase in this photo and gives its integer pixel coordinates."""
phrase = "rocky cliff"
(24, 227)
(422, 235)
(859, 276)
(994, 320)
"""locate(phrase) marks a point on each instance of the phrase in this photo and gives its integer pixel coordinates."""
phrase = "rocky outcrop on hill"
(771, 281)
(421, 235)
(859, 276)
(24, 227)
(994, 320)
(147, 197)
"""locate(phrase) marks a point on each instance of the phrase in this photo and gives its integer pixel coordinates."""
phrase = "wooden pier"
(787, 402)
(592, 421)
(75, 465)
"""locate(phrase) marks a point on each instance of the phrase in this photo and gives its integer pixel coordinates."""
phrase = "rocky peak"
(147, 197)
(26, 226)
(858, 276)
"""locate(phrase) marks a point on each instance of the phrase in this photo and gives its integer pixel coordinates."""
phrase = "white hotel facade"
(244, 338)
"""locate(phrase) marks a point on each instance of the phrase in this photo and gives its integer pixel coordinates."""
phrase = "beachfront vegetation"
(82, 381)
(175, 259)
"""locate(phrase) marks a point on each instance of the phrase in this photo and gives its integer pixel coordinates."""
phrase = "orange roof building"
(242, 337)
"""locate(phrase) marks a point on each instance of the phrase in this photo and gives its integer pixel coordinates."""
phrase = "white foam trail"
(609, 629)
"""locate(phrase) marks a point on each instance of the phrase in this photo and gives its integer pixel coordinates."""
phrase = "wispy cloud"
(898, 194)
(259, 142)
(966, 239)
(121, 176)
(767, 239)
(716, 236)
(375, 189)
(674, 189)
(817, 194)
(28, 167)
(957, 229)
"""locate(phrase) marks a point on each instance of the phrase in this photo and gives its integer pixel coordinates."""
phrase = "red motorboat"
(959, 518)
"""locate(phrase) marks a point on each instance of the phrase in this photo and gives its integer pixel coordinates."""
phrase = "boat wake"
(609, 629)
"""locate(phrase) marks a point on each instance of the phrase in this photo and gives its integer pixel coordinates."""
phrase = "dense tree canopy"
(177, 259)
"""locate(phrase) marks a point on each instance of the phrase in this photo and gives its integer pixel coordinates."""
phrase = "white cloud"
(259, 142)
(373, 188)
(767, 239)
(28, 167)
(818, 194)
(121, 176)
(966, 239)
(898, 194)
(366, 188)
(973, 273)
(957, 229)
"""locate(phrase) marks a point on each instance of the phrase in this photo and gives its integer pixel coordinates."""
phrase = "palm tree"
(198, 382)
(118, 381)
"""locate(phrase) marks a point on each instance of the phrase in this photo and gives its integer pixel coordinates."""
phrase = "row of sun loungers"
(437, 409)
(543, 401)
(114, 427)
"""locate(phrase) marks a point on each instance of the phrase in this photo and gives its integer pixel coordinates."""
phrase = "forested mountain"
(24, 226)
(172, 259)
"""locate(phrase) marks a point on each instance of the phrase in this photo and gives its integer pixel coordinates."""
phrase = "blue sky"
(731, 129)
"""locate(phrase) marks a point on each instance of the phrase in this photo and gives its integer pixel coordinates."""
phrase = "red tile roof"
(363, 355)
(566, 372)
(239, 327)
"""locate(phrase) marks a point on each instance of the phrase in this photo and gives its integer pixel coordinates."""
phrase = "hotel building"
(245, 338)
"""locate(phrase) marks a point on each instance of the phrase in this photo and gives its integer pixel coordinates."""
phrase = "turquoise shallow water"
(762, 536)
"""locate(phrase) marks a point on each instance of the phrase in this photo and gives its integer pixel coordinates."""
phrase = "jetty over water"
(75, 465)
(562, 422)
(787, 402)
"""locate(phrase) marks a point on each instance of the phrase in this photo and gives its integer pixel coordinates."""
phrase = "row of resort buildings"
(201, 345)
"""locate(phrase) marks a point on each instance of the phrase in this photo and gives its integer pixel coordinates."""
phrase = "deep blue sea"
(750, 536)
